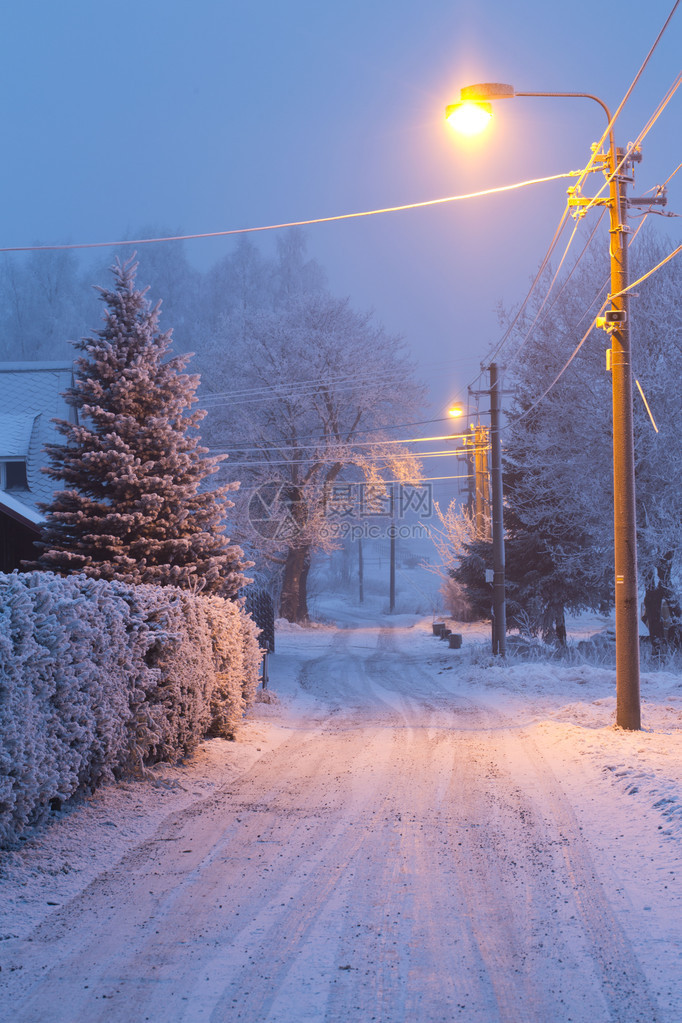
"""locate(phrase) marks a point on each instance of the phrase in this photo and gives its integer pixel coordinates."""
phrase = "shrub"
(99, 679)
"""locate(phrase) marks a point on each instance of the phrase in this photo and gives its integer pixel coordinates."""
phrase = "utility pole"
(628, 713)
(487, 454)
(482, 490)
(361, 573)
(615, 321)
(499, 606)
(470, 463)
(391, 600)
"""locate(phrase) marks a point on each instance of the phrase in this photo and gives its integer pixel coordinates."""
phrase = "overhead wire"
(589, 167)
(552, 245)
(304, 382)
(649, 124)
(526, 412)
(632, 146)
(659, 109)
(649, 273)
(328, 458)
(292, 223)
(582, 341)
(627, 95)
(575, 266)
(423, 479)
(308, 383)
(574, 353)
(213, 402)
(392, 426)
(543, 265)
(350, 444)
(554, 278)
(290, 395)
(548, 254)
(529, 332)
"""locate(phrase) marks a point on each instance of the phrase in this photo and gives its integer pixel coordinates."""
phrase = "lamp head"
(468, 118)
(484, 92)
(473, 113)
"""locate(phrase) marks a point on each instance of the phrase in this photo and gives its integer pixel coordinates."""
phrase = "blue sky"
(210, 115)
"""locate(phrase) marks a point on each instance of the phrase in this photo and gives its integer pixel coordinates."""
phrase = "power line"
(276, 389)
(293, 223)
(547, 256)
(330, 459)
(577, 348)
(350, 444)
(382, 429)
(561, 289)
(649, 273)
(292, 394)
(627, 95)
(561, 372)
(589, 167)
(245, 491)
(633, 145)
(670, 176)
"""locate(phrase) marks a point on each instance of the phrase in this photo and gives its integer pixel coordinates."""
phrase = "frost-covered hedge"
(99, 678)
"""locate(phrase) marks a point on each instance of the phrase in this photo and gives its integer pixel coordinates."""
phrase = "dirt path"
(410, 857)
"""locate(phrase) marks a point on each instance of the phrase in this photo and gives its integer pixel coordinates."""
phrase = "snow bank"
(98, 679)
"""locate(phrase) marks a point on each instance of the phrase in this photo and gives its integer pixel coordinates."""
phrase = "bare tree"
(319, 385)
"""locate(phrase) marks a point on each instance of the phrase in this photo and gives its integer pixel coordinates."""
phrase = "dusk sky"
(214, 115)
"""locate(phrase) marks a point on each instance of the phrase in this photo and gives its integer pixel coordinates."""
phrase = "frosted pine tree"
(133, 506)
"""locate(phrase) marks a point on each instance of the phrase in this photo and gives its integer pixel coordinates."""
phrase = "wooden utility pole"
(391, 599)
(361, 572)
(628, 713)
(499, 606)
(616, 322)
(482, 488)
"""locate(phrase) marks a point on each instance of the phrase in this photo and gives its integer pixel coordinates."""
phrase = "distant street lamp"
(628, 711)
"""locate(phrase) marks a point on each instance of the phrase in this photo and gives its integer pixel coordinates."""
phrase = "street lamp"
(469, 118)
(628, 712)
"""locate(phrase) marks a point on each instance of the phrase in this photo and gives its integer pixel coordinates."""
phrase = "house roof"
(19, 510)
(31, 396)
(15, 435)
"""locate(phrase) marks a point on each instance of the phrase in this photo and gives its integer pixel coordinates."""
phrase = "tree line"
(300, 392)
(557, 463)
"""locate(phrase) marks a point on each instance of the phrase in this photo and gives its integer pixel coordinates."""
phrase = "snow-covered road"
(396, 846)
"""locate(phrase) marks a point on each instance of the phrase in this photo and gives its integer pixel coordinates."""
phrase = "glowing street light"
(474, 112)
(615, 165)
(469, 118)
(455, 411)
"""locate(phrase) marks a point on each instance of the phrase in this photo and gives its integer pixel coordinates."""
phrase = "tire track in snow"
(506, 928)
(163, 905)
(408, 858)
(623, 982)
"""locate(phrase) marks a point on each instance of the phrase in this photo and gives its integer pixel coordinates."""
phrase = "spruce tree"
(134, 505)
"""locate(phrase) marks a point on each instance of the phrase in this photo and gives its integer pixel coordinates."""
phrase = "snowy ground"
(411, 833)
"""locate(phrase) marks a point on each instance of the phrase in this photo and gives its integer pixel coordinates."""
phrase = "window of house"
(13, 476)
